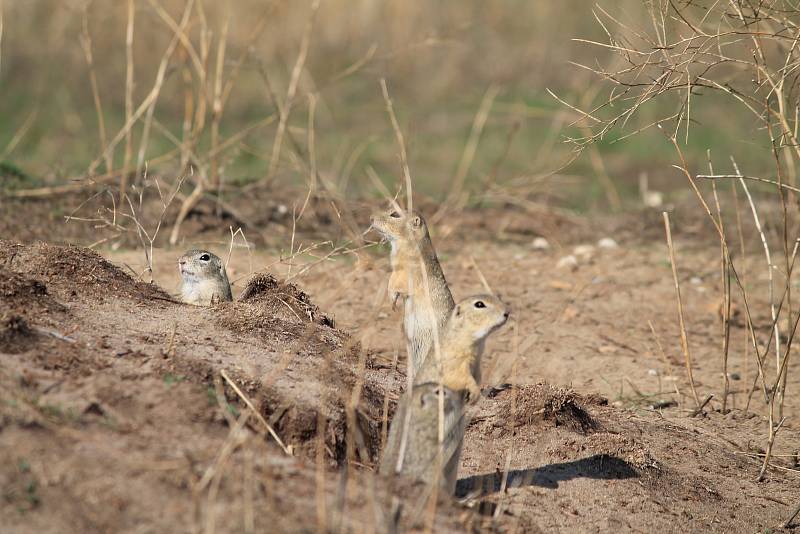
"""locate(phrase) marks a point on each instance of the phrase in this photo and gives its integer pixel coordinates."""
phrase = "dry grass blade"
(255, 412)
(291, 92)
(154, 95)
(19, 134)
(86, 44)
(770, 268)
(129, 78)
(402, 145)
(481, 276)
(471, 147)
(1, 34)
(752, 178)
(217, 105)
(791, 517)
(149, 100)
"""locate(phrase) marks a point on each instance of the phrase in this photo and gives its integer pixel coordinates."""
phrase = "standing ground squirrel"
(204, 278)
(417, 417)
(458, 365)
(418, 278)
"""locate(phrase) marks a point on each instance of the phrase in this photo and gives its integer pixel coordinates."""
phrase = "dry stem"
(684, 340)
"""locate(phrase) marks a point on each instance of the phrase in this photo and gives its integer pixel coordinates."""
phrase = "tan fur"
(458, 364)
(417, 279)
(421, 456)
(203, 277)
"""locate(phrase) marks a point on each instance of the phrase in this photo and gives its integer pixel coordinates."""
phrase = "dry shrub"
(744, 54)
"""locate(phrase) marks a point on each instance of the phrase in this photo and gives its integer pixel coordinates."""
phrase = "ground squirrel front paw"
(472, 394)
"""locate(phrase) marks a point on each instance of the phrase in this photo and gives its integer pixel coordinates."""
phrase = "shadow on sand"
(599, 466)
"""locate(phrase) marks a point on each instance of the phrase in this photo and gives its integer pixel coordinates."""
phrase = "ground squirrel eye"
(205, 257)
(394, 215)
(480, 304)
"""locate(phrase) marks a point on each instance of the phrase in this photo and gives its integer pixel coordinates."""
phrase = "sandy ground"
(116, 415)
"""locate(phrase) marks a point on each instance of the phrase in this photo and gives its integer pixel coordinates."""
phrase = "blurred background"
(471, 84)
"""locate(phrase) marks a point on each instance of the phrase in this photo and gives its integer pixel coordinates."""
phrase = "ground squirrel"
(417, 417)
(458, 365)
(417, 277)
(204, 278)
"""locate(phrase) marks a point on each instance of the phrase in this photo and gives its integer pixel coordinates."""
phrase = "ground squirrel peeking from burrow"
(204, 280)
(417, 278)
(424, 456)
(458, 362)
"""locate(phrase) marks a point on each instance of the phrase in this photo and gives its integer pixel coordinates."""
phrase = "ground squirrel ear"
(416, 221)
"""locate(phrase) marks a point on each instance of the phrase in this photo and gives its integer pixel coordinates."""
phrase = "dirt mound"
(282, 299)
(74, 271)
(24, 301)
(539, 405)
(269, 341)
(278, 310)
(15, 334)
(25, 295)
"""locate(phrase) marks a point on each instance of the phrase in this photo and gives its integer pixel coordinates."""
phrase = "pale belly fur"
(418, 323)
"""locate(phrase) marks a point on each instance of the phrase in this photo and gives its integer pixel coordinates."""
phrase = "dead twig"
(697, 411)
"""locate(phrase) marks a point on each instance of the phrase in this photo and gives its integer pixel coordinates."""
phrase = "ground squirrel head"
(204, 278)
(478, 316)
(396, 224)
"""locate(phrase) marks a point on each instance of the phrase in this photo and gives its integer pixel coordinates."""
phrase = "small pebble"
(567, 262)
(282, 209)
(735, 376)
(653, 199)
(652, 372)
(607, 243)
(696, 280)
(540, 243)
(584, 251)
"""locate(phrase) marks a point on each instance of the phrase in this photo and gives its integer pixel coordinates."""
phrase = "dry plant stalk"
(470, 149)
(159, 83)
(86, 44)
(128, 155)
(1, 34)
(726, 293)
(217, 106)
(684, 340)
(258, 415)
(291, 92)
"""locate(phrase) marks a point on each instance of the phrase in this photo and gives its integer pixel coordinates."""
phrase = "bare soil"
(115, 414)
